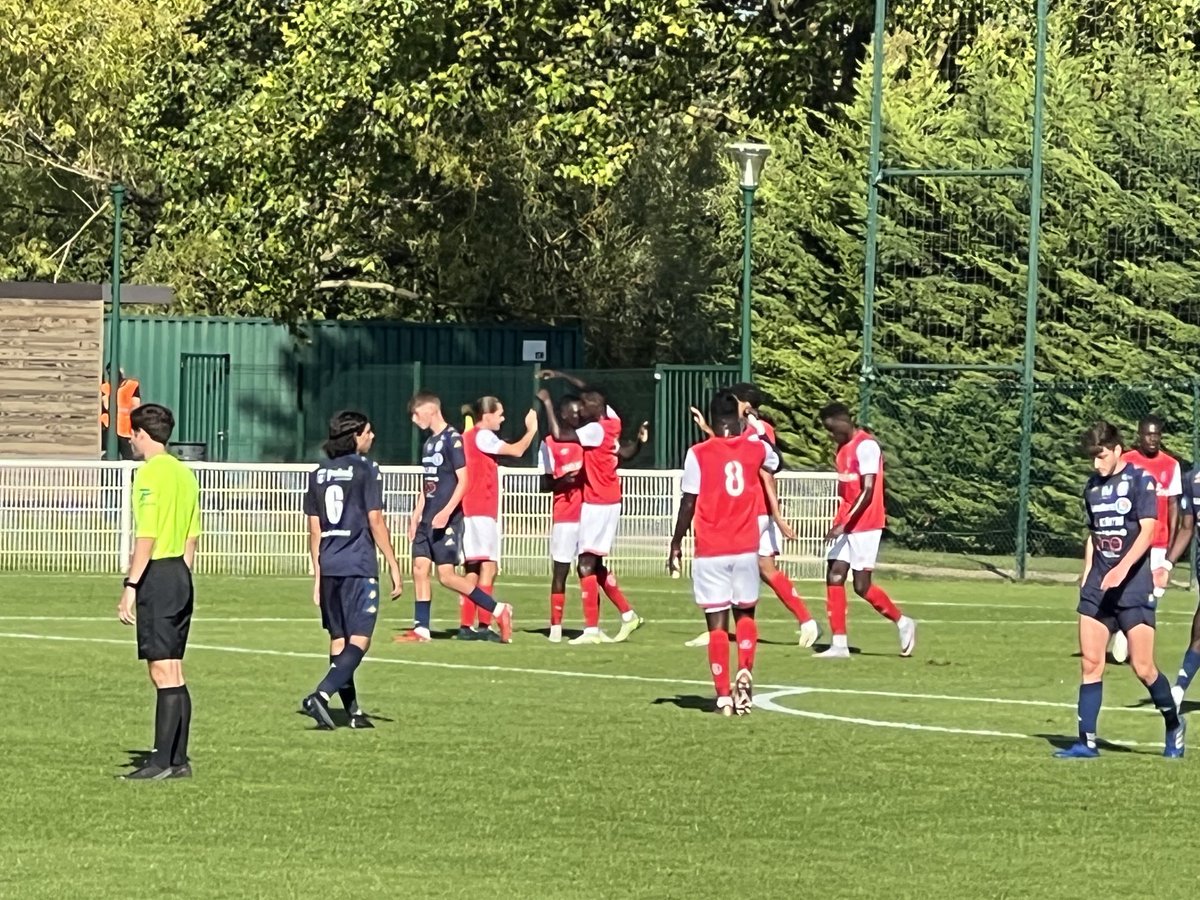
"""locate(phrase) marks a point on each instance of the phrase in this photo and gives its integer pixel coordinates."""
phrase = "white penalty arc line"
(782, 689)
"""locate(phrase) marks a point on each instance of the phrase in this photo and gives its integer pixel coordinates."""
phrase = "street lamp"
(749, 156)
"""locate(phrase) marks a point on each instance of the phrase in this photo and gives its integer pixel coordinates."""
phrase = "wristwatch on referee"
(130, 584)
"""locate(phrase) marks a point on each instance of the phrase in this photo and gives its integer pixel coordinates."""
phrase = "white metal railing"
(74, 516)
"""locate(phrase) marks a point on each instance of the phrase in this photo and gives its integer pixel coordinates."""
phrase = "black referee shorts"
(164, 609)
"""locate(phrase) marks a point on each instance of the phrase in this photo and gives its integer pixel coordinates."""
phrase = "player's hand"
(412, 527)
(834, 533)
(674, 558)
(785, 529)
(440, 520)
(698, 418)
(531, 420)
(543, 395)
(644, 433)
(397, 581)
(547, 374)
(127, 608)
(1162, 578)
(1112, 579)
(317, 591)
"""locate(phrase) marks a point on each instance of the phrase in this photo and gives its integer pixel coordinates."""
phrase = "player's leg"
(1190, 664)
(864, 552)
(164, 615)
(487, 583)
(1095, 628)
(446, 558)
(745, 578)
(630, 620)
(597, 532)
(353, 614)
(836, 571)
(422, 576)
(712, 588)
(1138, 625)
(779, 582)
(558, 598)
(589, 590)
(467, 609)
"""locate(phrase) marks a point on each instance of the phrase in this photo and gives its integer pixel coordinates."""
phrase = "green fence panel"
(676, 389)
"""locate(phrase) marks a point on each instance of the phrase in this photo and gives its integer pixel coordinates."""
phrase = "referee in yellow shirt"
(158, 592)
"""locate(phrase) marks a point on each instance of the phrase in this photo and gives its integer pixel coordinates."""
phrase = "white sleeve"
(770, 459)
(690, 484)
(610, 413)
(590, 435)
(545, 460)
(1175, 488)
(868, 454)
(488, 441)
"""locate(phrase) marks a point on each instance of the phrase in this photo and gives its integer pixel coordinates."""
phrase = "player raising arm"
(856, 531)
(1121, 504)
(600, 437)
(720, 487)
(481, 505)
(1190, 511)
(435, 529)
(344, 507)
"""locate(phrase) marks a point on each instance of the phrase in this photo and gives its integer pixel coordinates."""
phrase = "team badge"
(1124, 505)
(1123, 489)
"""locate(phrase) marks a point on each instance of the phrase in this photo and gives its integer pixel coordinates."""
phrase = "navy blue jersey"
(341, 493)
(1189, 504)
(442, 455)
(1115, 507)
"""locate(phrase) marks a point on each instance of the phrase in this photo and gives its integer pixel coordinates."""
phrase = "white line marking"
(699, 623)
(602, 676)
(767, 702)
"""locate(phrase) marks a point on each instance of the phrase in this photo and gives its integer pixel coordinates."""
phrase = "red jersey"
(601, 442)
(563, 462)
(483, 476)
(1165, 470)
(860, 456)
(759, 428)
(723, 474)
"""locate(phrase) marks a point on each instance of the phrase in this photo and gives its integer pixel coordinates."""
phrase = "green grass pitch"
(548, 771)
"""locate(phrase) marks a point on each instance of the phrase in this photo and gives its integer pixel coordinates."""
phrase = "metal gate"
(675, 389)
(204, 402)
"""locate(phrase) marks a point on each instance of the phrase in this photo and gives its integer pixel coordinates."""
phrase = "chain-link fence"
(953, 462)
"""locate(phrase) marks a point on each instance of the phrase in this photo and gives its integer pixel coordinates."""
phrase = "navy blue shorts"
(444, 547)
(349, 605)
(1113, 617)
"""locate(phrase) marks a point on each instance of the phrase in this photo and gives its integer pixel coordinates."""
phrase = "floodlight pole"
(750, 157)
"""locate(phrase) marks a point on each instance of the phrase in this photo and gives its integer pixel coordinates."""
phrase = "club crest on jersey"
(1123, 489)
(437, 448)
(1124, 505)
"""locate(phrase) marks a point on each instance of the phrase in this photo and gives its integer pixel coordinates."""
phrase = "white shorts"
(770, 540)
(564, 541)
(858, 548)
(720, 582)
(481, 539)
(1158, 557)
(598, 528)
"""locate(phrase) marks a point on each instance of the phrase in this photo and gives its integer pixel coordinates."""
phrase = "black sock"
(348, 694)
(341, 670)
(166, 726)
(179, 754)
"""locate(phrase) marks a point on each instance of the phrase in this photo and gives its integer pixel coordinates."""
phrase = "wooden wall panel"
(51, 359)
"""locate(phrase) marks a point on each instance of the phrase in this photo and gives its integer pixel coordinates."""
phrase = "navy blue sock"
(341, 670)
(422, 613)
(348, 694)
(1187, 668)
(1160, 693)
(1090, 697)
(481, 599)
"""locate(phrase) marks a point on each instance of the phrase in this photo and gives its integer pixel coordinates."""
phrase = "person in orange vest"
(129, 397)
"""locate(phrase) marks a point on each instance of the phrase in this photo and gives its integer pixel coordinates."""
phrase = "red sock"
(485, 617)
(591, 601)
(718, 660)
(557, 602)
(883, 604)
(786, 591)
(466, 611)
(747, 642)
(613, 593)
(835, 607)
